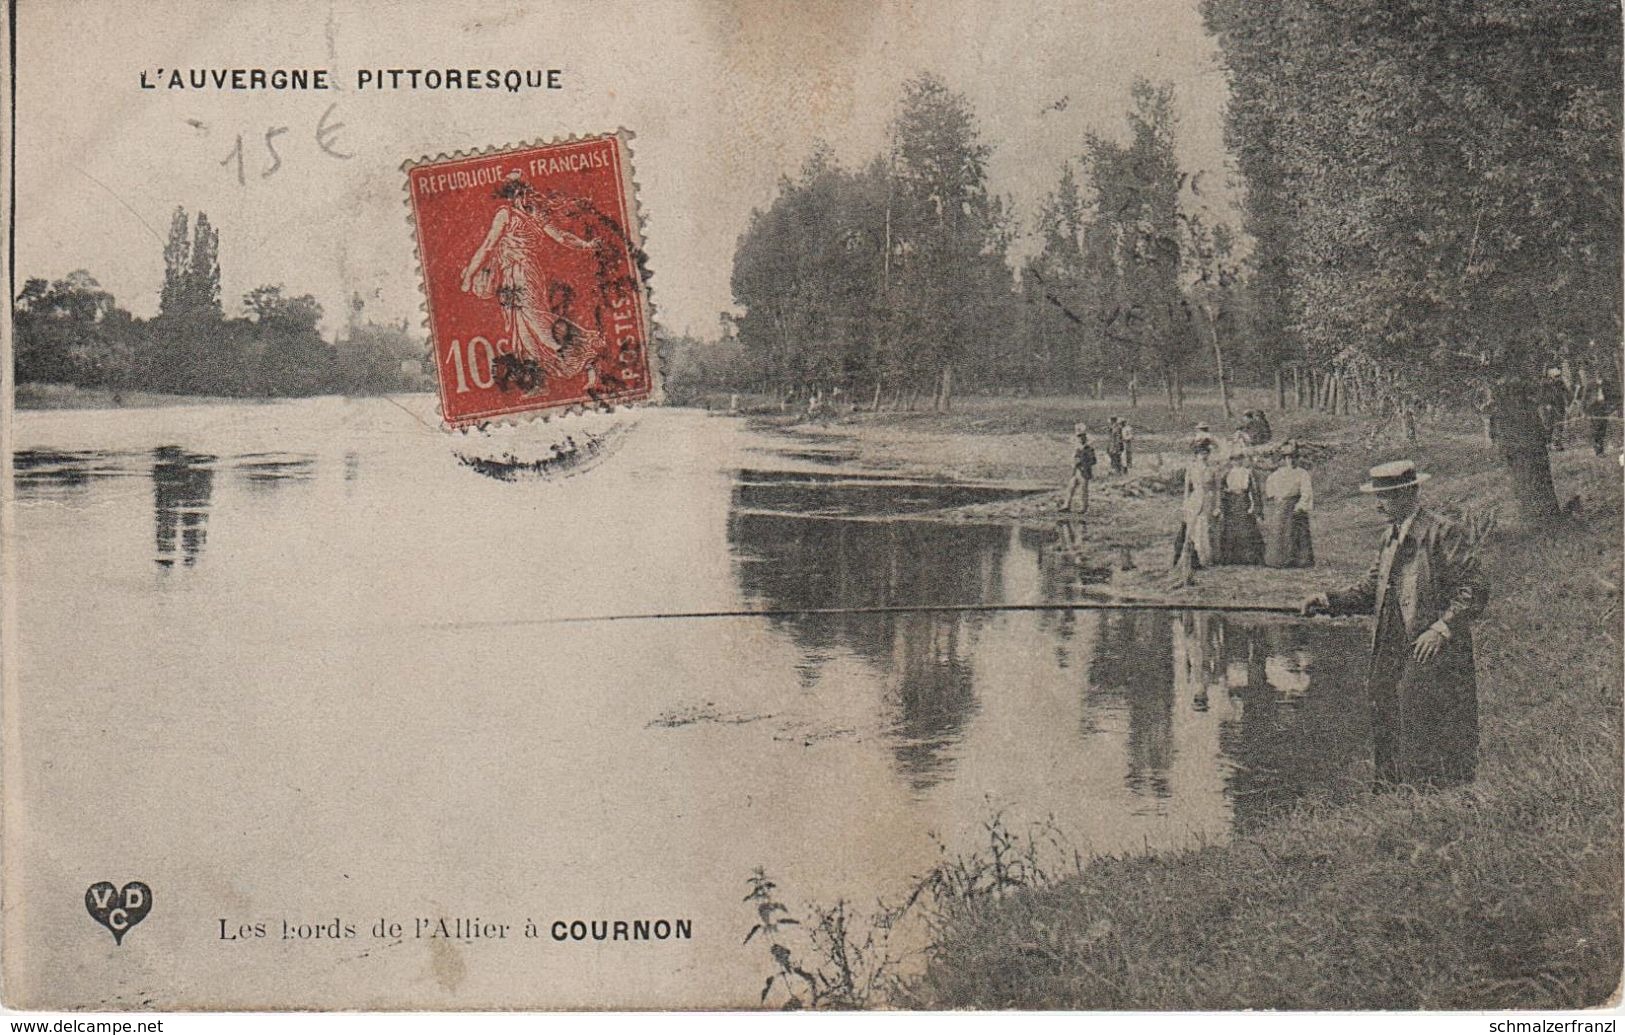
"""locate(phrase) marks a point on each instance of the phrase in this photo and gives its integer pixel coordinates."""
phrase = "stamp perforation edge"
(640, 261)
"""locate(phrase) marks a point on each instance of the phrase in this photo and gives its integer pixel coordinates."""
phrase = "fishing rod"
(891, 609)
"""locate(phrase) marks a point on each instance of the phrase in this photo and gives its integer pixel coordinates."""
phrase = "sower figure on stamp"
(1424, 588)
(535, 279)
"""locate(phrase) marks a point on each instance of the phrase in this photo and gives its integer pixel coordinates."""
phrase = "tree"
(1436, 188)
(375, 357)
(809, 273)
(175, 296)
(1060, 289)
(72, 331)
(1216, 298)
(894, 275)
(191, 350)
(950, 234)
(293, 358)
(1134, 236)
(203, 275)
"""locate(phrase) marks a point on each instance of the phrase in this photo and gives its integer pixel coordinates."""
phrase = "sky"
(724, 98)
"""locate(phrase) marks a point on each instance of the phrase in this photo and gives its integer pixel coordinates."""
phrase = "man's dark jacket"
(1424, 717)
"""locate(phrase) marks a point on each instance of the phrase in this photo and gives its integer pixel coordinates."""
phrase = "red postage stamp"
(532, 266)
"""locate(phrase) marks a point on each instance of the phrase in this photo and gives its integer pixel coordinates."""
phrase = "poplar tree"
(203, 273)
(174, 296)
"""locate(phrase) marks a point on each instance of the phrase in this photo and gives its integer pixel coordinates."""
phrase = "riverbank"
(1505, 894)
(76, 397)
(1133, 518)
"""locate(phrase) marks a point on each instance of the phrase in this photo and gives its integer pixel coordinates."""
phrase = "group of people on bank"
(1119, 450)
(1424, 588)
(1235, 510)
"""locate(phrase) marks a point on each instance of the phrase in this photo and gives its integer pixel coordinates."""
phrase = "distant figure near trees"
(1114, 445)
(1601, 408)
(1083, 471)
(1255, 428)
(1125, 430)
(1289, 497)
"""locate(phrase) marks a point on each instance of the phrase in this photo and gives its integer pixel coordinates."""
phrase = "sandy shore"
(1133, 517)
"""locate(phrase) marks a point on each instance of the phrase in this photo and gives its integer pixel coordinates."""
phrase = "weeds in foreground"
(844, 960)
(1010, 862)
(853, 962)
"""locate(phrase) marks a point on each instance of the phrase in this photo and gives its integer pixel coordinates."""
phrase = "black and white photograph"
(736, 505)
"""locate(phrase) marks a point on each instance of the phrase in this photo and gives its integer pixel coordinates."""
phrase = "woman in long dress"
(1289, 497)
(1195, 549)
(1241, 500)
(534, 268)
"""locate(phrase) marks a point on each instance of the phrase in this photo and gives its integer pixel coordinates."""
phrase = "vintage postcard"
(725, 504)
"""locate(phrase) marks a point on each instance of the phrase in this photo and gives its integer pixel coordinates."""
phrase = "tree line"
(1433, 190)
(893, 284)
(1431, 218)
(72, 331)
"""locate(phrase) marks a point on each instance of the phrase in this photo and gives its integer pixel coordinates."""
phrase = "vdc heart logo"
(117, 909)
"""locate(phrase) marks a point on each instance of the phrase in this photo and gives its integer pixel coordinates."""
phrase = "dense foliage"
(891, 276)
(1434, 187)
(71, 331)
(895, 282)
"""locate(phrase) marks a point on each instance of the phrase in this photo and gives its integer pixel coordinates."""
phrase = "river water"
(297, 662)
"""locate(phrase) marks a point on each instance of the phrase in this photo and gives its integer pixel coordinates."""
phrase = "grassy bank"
(1505, 894)
(75, 397)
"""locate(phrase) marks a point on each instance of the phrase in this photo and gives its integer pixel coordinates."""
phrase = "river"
(298, 662)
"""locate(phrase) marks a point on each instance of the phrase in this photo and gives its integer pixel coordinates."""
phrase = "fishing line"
(891, 609)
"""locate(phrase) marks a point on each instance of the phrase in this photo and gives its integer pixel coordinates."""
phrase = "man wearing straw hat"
(1424, 588)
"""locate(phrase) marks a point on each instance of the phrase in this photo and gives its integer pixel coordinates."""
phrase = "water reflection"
(935, 696)
(1209, 716)
(785, 562)
(845, 495)
(1133, 670)
(181, 485)
(1304, 728)
(275, 470)
(40, 471)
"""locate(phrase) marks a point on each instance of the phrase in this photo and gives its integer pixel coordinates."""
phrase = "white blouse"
(1289, 481)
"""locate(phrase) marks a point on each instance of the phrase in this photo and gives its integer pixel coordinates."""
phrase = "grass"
(75, 397)
(1505, 894)
(1502, 895)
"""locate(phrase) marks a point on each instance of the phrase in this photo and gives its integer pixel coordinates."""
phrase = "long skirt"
(1287, 543)
(1240, 542)
(560, 346)
(1194, 535)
